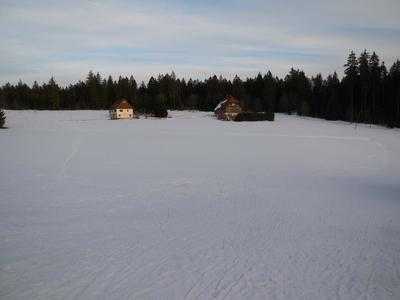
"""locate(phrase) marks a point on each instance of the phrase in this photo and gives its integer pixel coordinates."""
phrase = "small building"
(122, 109)
(228, 109)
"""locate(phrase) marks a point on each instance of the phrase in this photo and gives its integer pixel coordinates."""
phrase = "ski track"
(194, 208)
(68, 159)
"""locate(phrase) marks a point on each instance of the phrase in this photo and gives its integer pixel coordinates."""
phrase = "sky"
(67, 39)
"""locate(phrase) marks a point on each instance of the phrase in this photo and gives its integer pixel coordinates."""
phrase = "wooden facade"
(228, 109)
(122, 109)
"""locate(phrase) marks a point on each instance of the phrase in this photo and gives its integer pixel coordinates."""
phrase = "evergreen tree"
(2, 118)
(269, 94)
(351, 67)
(132, 88)
(238, 88)
(52, 91)
(350, 83)
(317, 100)
(35, 96)
(364, 99)
(153, 91)
(375, 87)
(332, 111)
(298, 90)
(110, 91)
(393, 100)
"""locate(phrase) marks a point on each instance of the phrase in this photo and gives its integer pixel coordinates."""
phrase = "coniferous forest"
(368, 93)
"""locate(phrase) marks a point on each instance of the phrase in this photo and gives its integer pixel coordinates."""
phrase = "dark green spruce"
(2, 118)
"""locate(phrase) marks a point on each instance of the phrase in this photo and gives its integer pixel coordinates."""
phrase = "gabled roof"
(226, 101)
(220, 105)
(122, 104)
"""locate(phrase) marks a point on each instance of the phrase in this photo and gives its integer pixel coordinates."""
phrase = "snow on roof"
(220, 104)
(227, 99)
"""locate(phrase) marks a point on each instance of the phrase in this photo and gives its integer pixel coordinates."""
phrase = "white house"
(122, 109)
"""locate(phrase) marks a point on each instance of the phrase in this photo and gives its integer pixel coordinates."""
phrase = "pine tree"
(350, 81)
(132, 89)
(53, 94)
(393, 105)
(35, 95)
(375, 87)
(333, 105)
(269, 94)
(365, 75)
(2, 118)
(383, 93)
(153, 90)
(237, 88)
(110, 91)
(317, 101)
(351, 67)
(298, 89)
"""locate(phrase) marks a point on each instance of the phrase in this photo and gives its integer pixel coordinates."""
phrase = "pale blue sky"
(66, 39)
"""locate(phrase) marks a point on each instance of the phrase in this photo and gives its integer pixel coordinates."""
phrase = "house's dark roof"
(122, 104)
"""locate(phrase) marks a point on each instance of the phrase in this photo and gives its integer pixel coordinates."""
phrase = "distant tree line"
(368, 93)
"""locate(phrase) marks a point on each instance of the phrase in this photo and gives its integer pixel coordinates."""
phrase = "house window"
(121, 110)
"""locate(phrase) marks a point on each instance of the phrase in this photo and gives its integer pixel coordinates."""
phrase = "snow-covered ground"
(191, 207)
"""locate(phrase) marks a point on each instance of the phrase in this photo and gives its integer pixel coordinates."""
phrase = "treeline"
(367, 93)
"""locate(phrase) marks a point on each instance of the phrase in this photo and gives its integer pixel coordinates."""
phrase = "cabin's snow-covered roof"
(220, 105)
(230, 99)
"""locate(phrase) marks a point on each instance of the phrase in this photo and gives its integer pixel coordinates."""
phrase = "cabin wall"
(228, 112)
(122, 114)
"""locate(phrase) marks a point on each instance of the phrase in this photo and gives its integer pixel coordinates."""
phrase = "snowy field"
(191, 207)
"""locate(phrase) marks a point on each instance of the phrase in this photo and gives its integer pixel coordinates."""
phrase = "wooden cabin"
(228, 109)
(122, 109)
